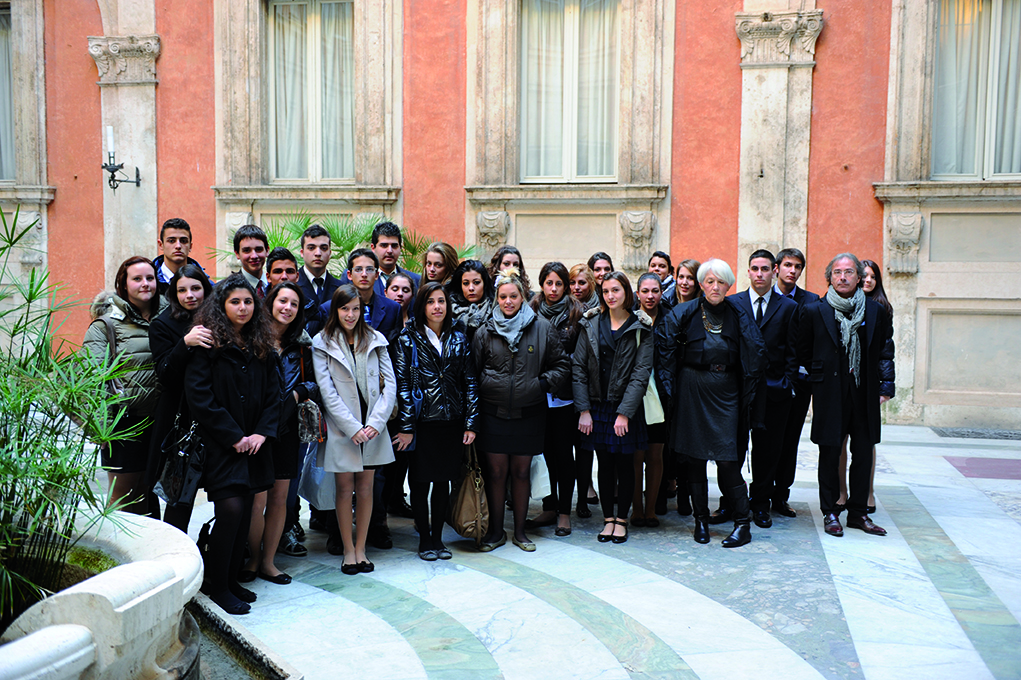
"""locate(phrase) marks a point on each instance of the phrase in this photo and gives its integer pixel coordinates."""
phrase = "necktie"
(319, 281)
(260, 290)
(758, 312)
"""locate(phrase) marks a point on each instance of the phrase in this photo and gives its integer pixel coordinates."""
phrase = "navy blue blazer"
(386, 315)
(779, 329)
(314, 318)
(380, 288)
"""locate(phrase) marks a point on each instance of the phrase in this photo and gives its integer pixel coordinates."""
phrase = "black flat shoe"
(280, 579)
(638, 521)
(350, 569)
(563, 531)
(651, 522)
(582, 511)
(366, 567)
(243, 594)
(230, 604)
(621, 539)
(592, 500)
(246, 576)
(870, 510)
(605, 538)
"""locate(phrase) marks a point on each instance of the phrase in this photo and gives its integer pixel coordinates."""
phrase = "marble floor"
(939, 597)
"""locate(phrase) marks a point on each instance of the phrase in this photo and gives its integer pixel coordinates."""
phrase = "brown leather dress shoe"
(832, 524)
(865, 524)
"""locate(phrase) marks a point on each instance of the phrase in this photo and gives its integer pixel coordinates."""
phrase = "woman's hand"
(365, 434)
(255, 442)
(468, 438)
(402, 440)
(199, 336)
(297, 399)
(585, 422)
(883, 400)
(620, 425)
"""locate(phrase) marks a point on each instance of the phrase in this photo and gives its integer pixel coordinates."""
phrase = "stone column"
(777, 56)
(127, 81)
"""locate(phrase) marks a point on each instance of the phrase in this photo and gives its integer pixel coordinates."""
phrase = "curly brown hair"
(255, 334)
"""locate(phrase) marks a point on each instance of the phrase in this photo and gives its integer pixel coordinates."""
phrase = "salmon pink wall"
(706, 132)
(74, 152)
(434, 118)
(848, 134)
(185, 146)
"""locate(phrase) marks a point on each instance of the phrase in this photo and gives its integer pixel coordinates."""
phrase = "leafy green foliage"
(54, 407)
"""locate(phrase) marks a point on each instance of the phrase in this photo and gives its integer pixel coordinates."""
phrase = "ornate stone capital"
(126, 59)
(905, 231)
(771, 39)
(493, 227)
(637, 228)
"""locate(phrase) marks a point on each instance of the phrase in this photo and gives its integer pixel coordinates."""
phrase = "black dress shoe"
(832, 525)
(290, 546)
(242, 593)
(230, 604)
(721, 516)
(298, 532)
(784, 510)
(316, 524)
(701, 533)
(865, 524)
(335, 545)
(762, 519)
(246, 576)
(741, 535)
(280, 579)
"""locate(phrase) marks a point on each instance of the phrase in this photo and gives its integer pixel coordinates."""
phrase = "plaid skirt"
(603, 438)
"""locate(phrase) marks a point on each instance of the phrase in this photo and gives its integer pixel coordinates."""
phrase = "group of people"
(654, 380)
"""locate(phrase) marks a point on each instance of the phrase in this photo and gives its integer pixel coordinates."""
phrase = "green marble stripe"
(641, 653)
(989, 625)
(447, 650)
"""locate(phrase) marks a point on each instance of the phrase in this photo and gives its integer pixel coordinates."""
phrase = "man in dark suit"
(380, 312)
(387, 244)
(790, 264)
(317, 284)
(773, 314)
(843, 339)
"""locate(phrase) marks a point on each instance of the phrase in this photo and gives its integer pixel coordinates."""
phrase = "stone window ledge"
(573, 193)
(928, 191)
(289, 193)
(27, 194)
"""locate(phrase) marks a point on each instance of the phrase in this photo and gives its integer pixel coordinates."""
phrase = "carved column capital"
(905, 230)
(770, 39)
(637, 229)
(126, 59)
(493, 227)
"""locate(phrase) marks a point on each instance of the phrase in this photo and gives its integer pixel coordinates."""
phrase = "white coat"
(339, 392)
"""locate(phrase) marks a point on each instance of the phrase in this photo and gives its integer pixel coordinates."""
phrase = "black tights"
(227, 546)
(496, 492)
(616, 471)
(430, 534)
(178, 515)
(561, 427)
(728, 472)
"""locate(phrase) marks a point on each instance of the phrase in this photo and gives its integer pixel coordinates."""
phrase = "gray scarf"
(512, 328)
(473, 314)
(851, 314)
(557, 312)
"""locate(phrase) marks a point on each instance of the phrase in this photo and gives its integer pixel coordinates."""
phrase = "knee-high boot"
(742, 534)
(700, 505)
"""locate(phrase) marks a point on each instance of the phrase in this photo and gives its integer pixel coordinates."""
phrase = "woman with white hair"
(711, 360)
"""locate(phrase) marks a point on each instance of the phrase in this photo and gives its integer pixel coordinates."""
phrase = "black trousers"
(767, 445)
(558, 449)
(854, 422)
(787, 464)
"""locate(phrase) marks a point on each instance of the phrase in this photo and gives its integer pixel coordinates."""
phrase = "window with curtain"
(312, 89)
(976, 120)
(6, 98)
(568, 90)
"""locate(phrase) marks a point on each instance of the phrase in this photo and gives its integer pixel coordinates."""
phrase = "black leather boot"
(742, 534)
(700, 506)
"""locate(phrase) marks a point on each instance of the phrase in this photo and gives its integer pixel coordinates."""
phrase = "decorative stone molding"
(905, 234)
(637, 228)
(125, 60)
(627, 194)
(493, 227)
(33, 248)
(770, 39)
(368, 195)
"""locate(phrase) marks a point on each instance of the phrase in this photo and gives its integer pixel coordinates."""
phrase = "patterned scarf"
(473, 314)
(851, 314)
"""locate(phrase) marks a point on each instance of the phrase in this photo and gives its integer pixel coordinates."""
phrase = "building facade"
(889, 128)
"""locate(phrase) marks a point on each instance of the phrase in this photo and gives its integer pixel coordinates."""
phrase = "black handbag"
(417, 397)
(183, 452)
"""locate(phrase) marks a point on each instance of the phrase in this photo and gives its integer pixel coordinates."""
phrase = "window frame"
(571, 61)
(988, 100)
(313, 116)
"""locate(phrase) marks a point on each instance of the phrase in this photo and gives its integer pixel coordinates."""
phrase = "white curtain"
(338, 57)
(960, 85)
(290, 33)
(1007, 155)
(542, 25)
(597, 79)
(6, 100)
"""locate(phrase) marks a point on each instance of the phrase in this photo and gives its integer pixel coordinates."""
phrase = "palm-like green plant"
(54, 406)
(415, 245)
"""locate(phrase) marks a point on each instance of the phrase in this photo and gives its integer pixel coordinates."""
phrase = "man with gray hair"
(846, 341)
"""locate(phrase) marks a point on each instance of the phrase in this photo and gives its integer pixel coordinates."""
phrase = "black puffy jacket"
(449, 384)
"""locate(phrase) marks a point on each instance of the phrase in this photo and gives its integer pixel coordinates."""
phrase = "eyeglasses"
(364, 270)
